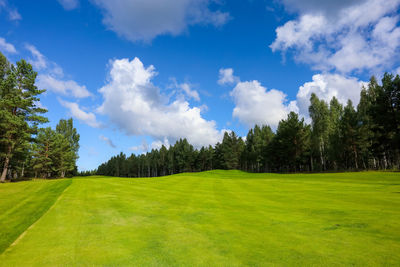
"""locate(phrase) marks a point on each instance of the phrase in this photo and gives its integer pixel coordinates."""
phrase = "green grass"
(21, 204)
(217, 218)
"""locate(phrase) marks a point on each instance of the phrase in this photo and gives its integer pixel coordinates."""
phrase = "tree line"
(25, 149)
(339, 138)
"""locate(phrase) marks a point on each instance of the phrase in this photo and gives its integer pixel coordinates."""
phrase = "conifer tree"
(19, 113)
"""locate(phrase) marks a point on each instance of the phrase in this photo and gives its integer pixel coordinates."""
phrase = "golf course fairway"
(215, 218)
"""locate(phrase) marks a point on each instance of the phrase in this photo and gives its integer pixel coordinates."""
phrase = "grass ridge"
(52, 195)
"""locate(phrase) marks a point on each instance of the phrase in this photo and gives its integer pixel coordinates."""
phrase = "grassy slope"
(21, 204)
(218, 218)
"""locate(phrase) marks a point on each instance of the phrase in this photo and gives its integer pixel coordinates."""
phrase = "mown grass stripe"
(39, 197)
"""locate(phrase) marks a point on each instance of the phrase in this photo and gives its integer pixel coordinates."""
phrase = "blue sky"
(137, 74)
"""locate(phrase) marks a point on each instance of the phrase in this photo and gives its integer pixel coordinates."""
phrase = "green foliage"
(26, 150)
(319, 114)
(291, 145)
(53, 153)
(69, 144)
(19, 113)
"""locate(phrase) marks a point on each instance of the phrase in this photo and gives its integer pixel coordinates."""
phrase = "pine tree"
(45, 153)
(70, 135)
(349, 136)
(19, 113)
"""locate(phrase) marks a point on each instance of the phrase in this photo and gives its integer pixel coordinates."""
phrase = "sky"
(137, 74)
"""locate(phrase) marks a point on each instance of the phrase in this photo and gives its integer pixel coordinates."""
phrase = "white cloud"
(107, 140)
(38, 61)
(254, 104)
(144, 20)
(41, 63)
(12, 12)
(40, 105)
(69, 87)
(318, 6)
(7, 47)
(397, 71)
(345, 36)
(88, 118)
(189, 91)
(51, 76)
(158, 144)
(69, 4)
(137, 107)
(326, 86)
(143, 147)
(185, 88)
(226, 77)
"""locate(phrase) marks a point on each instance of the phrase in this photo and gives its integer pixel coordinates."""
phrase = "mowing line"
(33, 224)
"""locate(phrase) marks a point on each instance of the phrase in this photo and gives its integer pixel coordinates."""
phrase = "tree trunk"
(355, 156)
(321, 156)
(5, 168)
(23, 170)
(384, 161)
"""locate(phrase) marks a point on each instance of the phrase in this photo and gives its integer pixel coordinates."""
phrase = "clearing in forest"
(220, 218)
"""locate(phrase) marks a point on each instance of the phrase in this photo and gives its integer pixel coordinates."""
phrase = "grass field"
(217, 218)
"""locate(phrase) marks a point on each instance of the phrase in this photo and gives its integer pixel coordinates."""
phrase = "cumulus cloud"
(136, 106)
(143, 20)
(158, 144)
(344, 36)
(186, 89)
(7, 47)
(69, 4)
(64, 87)
(326, 86)
(88, 118)
(254, 104)
(107, 140)
(226, 76)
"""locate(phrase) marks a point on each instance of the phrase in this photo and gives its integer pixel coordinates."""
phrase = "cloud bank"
(343, 36)
(138, 20)
(137, 107)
